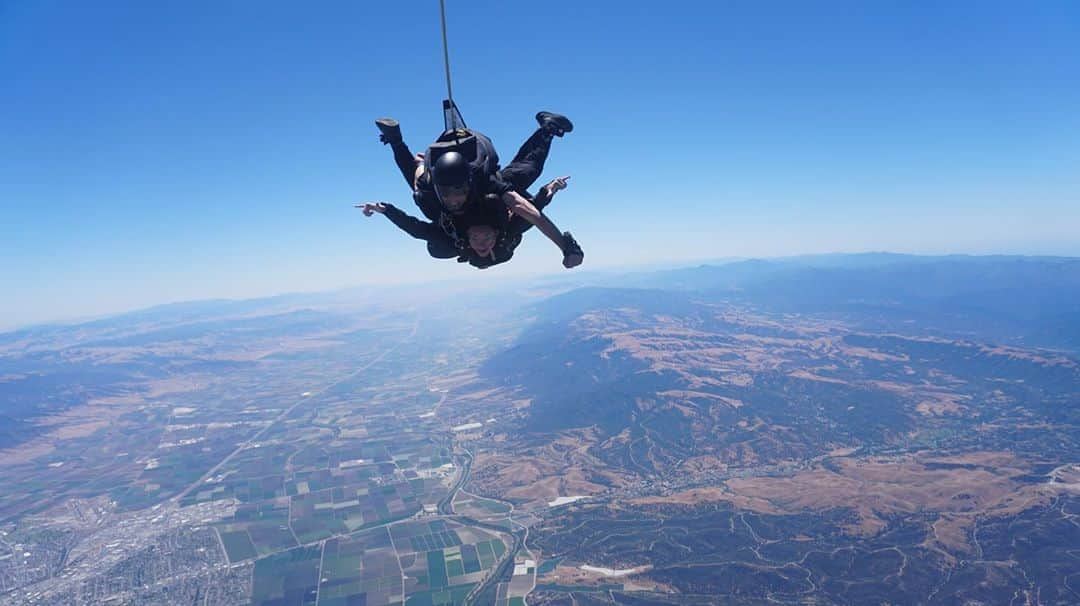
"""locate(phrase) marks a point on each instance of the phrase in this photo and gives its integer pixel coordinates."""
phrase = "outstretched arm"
(547, 192)
(525, 209)
(421, 230)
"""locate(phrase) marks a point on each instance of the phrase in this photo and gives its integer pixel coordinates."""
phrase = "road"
(507, 564)
(446, 508)
(258, 435)
(446, 505)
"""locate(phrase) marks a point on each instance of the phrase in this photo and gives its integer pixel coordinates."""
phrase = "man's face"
(482, 239)
(453, 198)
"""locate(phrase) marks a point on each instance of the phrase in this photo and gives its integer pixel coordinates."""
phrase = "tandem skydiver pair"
(475, 211)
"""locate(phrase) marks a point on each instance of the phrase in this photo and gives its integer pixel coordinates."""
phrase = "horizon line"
(637, 268)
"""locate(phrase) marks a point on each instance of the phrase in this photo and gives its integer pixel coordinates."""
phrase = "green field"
(287, 579)
(436, 570)
(451, 596)
(360, 569)
(238, 545)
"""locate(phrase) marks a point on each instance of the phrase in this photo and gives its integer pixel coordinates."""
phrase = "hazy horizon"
(513, 279)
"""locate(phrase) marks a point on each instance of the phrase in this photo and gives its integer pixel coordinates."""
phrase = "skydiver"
(451, 185)
(490, 245)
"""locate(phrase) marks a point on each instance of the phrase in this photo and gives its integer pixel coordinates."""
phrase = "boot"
(555, 124)
(389, 130)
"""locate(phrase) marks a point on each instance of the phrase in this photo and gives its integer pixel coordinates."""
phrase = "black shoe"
(389, 130)
(555, 124)
(572, 253)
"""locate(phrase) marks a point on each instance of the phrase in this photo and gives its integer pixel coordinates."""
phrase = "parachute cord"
(446, 50)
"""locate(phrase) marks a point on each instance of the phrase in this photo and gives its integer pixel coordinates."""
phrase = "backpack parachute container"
(455, 136)
(476, 147)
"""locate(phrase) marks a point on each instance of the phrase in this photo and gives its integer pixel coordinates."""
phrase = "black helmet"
(450, 173)
(451, 169)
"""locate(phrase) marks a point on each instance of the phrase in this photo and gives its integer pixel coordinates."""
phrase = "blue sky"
(154, 152)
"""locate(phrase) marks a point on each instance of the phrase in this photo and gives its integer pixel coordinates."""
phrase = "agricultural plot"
(479, 508)
(264, 525)
(255, 474)
(287, 579)
(361, 569)
(173, 466)
(451, 596)
(307, 482)
(238, 545)
(503, 597)
(341, 510)
(444, 560)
